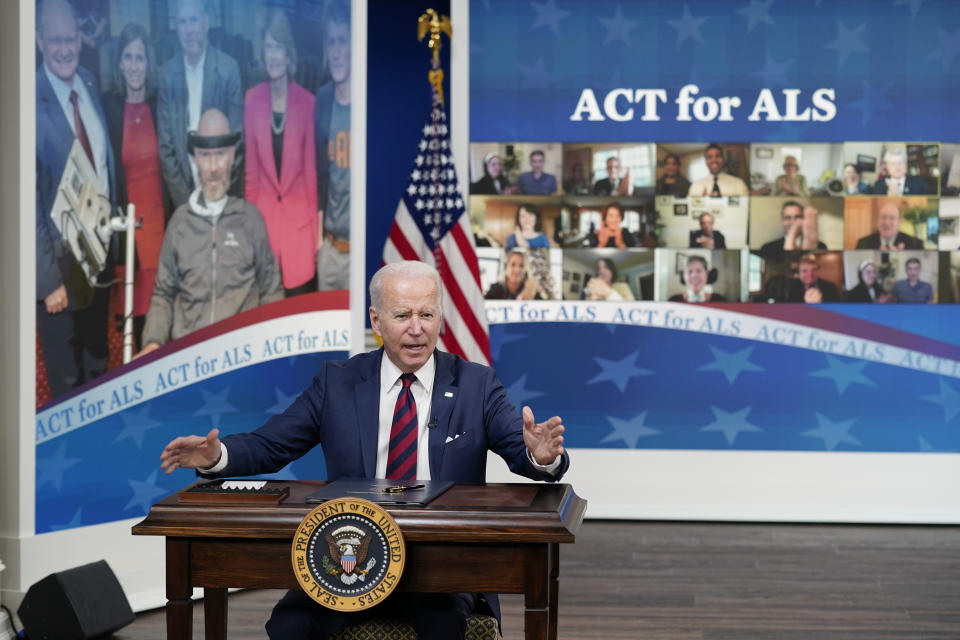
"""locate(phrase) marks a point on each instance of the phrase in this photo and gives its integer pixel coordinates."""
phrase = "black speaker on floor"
(76, 604)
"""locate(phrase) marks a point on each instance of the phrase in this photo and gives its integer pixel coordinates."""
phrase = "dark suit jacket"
(221, 90)
(54, 139)
(911, 185)
(829, 290)
(872, 241)
(718, 240)
(775, 252)
(340, 412)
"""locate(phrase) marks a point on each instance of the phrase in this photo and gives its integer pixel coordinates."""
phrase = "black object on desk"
(386, 492)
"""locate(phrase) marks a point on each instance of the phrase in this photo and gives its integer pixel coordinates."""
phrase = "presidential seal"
(348, 554)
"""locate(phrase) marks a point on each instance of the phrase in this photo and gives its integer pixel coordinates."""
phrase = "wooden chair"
(479, 627)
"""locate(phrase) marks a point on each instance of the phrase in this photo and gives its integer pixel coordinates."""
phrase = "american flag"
(432, 225)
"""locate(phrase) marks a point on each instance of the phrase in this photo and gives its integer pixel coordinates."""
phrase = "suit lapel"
(445, 394)
(209, 75)
(290, 135)
(366, 399)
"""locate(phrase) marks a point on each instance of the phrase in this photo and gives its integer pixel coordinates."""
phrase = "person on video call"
(672, 182)
(461, 398)
(913, 289)
(888, 236)
(800, 231)
(614, 184)
(895, 181)
(867, 289)
(527, 232)
(493, 182)
(718, 183)
(696, 278)
(612, 234)
(706, 237)
(808, 286)
(852, 184)
(605, 284)
(791, 183)
(201, 280)
(536, 181)
(517, 282)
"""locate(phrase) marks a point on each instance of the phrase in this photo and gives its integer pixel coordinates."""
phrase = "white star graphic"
(145, 492)
(548, 15)
(832, 433)
(135, 426)
(773, 74)
(619, 372)
(847, 41)
(914, 6)
(756, 12)
(629, 430)
(730, 424)
(536, 76)
(618, 27)
(872, 100)
(215, 405)
(732, 364)
(948, 48)
(843, 373)
(948, 399)
(688, 27)
(283, 402)
(518, 392)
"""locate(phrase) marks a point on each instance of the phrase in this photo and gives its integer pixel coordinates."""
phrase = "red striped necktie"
(402, 455)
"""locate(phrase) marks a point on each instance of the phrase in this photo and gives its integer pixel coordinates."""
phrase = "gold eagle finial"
(434, 24)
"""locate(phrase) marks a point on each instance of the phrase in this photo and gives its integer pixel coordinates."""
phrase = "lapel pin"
(448, 394)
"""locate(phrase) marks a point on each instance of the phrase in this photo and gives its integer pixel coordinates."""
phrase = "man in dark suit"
(613, 184)
(71, 318)
(800, 231)
(706, 237)
(348, 410)
(202, 78)
(896, 182)
(808, 286)
(888, 236)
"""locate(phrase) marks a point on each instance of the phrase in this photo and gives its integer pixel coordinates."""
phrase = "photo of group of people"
(227, 125)
(872, 222)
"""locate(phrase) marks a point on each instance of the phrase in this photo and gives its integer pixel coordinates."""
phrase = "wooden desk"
(501, 538)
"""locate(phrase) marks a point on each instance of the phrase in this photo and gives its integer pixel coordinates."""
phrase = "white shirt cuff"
(221, 464)
(546, 468)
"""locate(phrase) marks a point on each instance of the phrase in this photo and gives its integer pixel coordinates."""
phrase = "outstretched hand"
(544, 440)
(191, 452)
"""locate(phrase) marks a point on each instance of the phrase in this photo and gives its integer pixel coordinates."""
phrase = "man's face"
(59, 42)
(192, 27)
(896, 165)
(888, 220)
(613, 168)
(670, 166)
(214, 167)
(536, 163)
(706, 224)
(337, 47)
(789, 216)
(714, 160)
(408, 321)
(913, 271)
(809, 273)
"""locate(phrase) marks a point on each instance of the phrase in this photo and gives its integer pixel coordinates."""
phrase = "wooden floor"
(713, 581)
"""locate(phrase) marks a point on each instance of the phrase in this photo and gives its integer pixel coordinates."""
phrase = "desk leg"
(536, 613)
(215, 613)
(554, 594)
(179, 591)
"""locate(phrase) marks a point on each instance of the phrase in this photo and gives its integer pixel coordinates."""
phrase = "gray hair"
(405, 269)
(46, 6)
(895, 153)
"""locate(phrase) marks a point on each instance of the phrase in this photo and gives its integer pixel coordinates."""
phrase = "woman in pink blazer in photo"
(281, 161)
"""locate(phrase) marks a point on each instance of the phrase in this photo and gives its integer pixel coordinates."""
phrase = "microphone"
(432, 423)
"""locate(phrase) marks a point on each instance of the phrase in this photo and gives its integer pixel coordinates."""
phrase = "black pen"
(402, 488)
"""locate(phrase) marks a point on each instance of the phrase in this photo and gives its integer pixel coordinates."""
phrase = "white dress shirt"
(91, 122)
(422, 389)
(194, 76)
